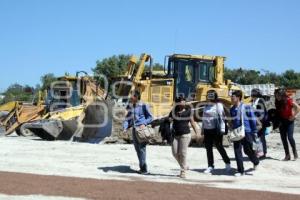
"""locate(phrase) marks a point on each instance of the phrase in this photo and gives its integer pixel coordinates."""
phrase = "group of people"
(255, 119)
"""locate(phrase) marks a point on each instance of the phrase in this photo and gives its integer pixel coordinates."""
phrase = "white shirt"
(210, 114)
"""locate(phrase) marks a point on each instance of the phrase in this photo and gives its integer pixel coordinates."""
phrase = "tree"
(112, 66)
(47, 80)
(290, 79)
(155, 67)
(17, 92)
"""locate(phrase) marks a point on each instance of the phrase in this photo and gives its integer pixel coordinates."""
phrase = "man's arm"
(148, 115)
(127, 120)
(252, 119)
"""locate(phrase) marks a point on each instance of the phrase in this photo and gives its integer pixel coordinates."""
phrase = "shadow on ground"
(124, 169)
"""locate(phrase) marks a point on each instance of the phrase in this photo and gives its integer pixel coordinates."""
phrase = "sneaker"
(182, 174)
(239, 174)
(208, 170)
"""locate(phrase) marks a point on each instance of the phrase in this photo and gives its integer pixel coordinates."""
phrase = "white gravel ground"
(31, 155)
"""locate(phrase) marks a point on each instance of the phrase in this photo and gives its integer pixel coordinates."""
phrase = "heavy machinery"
(76, 109)
(190, 76)
(14, 114)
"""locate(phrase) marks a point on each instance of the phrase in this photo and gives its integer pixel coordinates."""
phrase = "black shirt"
(181, 122)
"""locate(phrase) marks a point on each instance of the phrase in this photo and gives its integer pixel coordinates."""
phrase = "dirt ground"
(28, 184)
(31, 168)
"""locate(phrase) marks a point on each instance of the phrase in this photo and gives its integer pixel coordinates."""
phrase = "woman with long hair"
(213, 128)
(182, 116)
(287, 110)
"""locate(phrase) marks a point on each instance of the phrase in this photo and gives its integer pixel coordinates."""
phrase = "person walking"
(261, 112)
(138, 115)
(287, 110)
(182, 116)
(213, 128)
(241, 113)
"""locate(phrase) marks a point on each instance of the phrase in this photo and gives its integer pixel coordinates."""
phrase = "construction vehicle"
(14, 114)
(76, 109)
(190, 76)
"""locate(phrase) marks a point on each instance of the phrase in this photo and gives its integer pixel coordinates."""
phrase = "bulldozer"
(77, 109)
(190, 76)
(13, 115)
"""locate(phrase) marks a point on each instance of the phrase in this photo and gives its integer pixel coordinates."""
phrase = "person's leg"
(218, 139)
(248, 149)
(262, 137)
(141, 152)
(184, 142)
(175, 144)
(239, 156)
(283, 135)
(290, 134)
(208, 141)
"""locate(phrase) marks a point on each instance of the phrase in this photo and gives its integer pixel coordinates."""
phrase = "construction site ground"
(35, 169)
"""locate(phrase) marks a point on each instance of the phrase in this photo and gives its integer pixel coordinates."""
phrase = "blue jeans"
(140, 149)
(262, 136)
(246, 144)
(287, 134)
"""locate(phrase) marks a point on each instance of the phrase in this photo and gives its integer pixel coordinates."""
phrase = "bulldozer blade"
(45, 129)
(97, 123)
(53, 129)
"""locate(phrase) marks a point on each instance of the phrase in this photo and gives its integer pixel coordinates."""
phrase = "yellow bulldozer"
(76, 109)
(14, 114)
(190, 76)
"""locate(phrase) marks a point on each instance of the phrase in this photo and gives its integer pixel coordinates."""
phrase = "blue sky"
(58, 36)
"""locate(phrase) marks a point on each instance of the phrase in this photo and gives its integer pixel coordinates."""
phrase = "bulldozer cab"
(188, 72)
(63, 94)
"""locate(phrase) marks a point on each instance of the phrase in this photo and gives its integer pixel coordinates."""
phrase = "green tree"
(290, 79)
(112, 66)
(17, 92)
(47, 80)
(155, 67)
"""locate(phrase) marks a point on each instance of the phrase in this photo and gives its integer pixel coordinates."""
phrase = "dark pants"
(287, 134)
(140, 149)
(262, 137)
(210, 138)
(245, 143)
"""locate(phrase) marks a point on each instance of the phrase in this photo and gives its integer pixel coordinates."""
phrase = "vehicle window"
(189, 73)
(206, 72)
(203, 76)
(211, 73)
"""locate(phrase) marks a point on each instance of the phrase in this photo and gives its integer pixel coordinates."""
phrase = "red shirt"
(287, 111)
